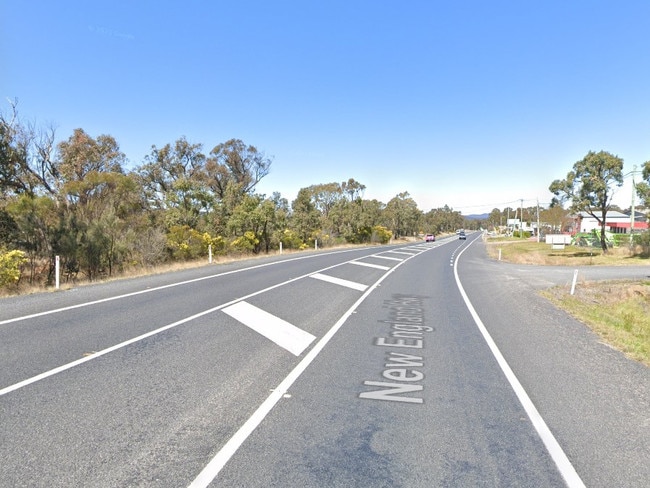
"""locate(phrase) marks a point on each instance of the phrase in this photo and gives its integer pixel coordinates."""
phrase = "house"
(615, 222)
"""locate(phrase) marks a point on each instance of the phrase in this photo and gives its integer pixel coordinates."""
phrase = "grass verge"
(618, 311)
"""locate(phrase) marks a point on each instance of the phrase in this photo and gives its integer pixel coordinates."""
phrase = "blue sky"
(470, 104)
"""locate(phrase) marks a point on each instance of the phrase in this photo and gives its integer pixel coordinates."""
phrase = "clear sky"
(472, 104)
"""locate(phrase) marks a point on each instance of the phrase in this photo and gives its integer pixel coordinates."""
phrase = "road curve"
(366, 367)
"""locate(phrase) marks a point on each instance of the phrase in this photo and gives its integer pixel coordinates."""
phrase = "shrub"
(381, 234)
(245, 243)
(643, 240)
(291, 240)
(10, 263)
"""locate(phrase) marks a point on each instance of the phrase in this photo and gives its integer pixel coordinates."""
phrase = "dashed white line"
(284, 334)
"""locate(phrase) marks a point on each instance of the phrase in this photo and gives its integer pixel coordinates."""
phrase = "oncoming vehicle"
(430, 238)
(461, 235)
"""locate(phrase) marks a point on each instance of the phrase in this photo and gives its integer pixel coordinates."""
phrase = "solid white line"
(95, 355)
(171, 285)
(284, 334)
(216, 464)
(370, 265)
(339, 281)
(561, 460)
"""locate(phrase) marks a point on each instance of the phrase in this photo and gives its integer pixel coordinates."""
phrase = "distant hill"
(477, 216)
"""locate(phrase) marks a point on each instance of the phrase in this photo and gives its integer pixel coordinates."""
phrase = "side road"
(595, 400)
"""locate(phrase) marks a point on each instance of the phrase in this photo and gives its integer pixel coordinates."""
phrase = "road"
(414, 365)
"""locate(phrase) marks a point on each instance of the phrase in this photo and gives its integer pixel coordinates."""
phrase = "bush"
(10, 263)
(187, 243)
(246, 243)
(381, 234)
(291, 240)
(643, 240)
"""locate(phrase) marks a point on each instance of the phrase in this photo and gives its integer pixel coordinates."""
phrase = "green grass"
(620, 318)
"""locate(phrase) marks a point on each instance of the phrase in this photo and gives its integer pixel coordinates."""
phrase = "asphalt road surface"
(419, 365)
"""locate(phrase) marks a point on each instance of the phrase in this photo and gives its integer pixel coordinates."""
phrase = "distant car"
(430, 238)
(461, 235)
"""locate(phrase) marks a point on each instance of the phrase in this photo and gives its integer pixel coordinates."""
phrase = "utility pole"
(521, 220)
(538, 220)
(632, 211)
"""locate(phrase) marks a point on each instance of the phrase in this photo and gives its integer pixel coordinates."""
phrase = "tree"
(26, 164)
(441, 220)
(643, 187)
(556, 217)
(234, 163)
(174, 176)
(402, 215)
(81, 154)
(305, 218)
(495, 219)
(590, 187)
(353, 189)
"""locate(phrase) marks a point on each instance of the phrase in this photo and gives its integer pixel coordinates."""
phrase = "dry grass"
(618, 311)
(539, 253)
(24, 288)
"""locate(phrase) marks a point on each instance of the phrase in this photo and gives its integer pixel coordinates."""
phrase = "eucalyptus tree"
(257, 220)
(305, 219)
(402, 215)
(495, 218)
(590, 187)
(352, 189)
(444, 219)
(235, 163)
(99, 201)
(26, 156)
(173, 179)
(643, 187)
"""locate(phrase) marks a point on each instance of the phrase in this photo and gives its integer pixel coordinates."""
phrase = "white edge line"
(553, 447)
(216, 464)
(97, 354)
(171, 285)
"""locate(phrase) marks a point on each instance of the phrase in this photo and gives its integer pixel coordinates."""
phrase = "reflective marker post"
(57, 267)
(573, 284)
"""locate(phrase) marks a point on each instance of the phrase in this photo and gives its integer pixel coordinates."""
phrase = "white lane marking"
(561, 460)
(370, 265)
(403, 252)
(67, 366)
(216, 464)
(97, 354)
(379, 256)
(339, 281)
(281, 332)
(171, 285)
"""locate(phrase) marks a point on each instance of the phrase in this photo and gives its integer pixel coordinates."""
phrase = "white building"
(615, 222)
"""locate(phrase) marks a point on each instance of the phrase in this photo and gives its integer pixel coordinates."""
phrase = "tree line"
(76, 199)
